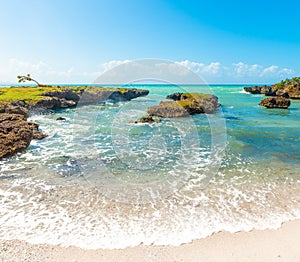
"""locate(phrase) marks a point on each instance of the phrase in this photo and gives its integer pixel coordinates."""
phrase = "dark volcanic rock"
(293, 92)
(16, 134)
(288, 92)
(64, 103)
(253, 90)
(134, 93)
(268, 91)
(281, 92)
(100, 95)
(68, 98)
(188, 104)
(167, 109)
(265, 90)
(14, 108)
(148, 119)
(275, 102)
(60, 119)
(65, 94)
(175, 96)
(47, 103)
(53, 103)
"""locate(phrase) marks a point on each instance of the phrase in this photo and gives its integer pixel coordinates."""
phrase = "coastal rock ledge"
(185, 104)
(16, 103)
(16, 134)
(289, 88)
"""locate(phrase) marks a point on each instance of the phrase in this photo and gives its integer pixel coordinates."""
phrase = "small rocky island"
(182, 104)
(17, 103)
(281, 93)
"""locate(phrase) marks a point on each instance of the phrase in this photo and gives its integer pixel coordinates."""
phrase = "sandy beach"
(257, 245)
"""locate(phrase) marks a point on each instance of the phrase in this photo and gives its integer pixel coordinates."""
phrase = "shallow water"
(101, 181)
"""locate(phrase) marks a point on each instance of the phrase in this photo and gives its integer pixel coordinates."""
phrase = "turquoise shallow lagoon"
(101, 181)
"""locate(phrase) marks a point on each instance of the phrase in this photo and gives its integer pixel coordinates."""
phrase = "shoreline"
(257, 245)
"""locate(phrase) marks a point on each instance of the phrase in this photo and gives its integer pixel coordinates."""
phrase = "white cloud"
(113, 63)
(242, 69)
(212, 72)
(258, 71)
(270, 70)
(213, 68)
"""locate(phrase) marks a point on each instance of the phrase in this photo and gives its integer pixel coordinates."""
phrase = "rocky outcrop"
(280, 95)
(69, 98)
(60, 119)
(17, 107)
(185, 104)
(175, 96)
(289, 91)
(53, 103)
(293, 92)
(132, 93)
(167, 109)
(268, 91)
(149, 120)
(275, 102)
(64, 94)
(253, 90)
(16, 134)
(99, 95)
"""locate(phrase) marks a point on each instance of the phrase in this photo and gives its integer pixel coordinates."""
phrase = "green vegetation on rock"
(288, 83)
(32, 94)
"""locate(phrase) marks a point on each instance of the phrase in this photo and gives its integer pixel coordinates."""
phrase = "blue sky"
(222, 41)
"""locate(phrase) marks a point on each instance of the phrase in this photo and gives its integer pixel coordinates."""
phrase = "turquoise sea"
(101, 181)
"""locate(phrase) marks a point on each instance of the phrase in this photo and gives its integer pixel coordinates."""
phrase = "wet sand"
(257, 245)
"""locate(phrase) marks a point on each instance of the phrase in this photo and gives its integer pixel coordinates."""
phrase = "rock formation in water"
(185, 104)
(275, 102)
(16, 133)
(289, 88)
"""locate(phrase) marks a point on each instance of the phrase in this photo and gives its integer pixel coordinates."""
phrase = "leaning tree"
(23, 79)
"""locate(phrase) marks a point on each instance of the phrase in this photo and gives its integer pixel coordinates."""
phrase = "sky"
(222, 41)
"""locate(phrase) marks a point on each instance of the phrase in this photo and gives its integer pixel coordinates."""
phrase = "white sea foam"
(53, 211)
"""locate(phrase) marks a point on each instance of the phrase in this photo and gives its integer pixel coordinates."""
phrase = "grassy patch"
(184, 104)
(195, 96)
(31, 94)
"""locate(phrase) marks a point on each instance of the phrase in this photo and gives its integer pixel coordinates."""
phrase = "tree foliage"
(293, 82)
(25, 78)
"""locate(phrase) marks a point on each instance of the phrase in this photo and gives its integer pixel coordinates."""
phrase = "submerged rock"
(148, 119)
(185, 104)
(60, 119)
(275, 102)
(16, 134)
